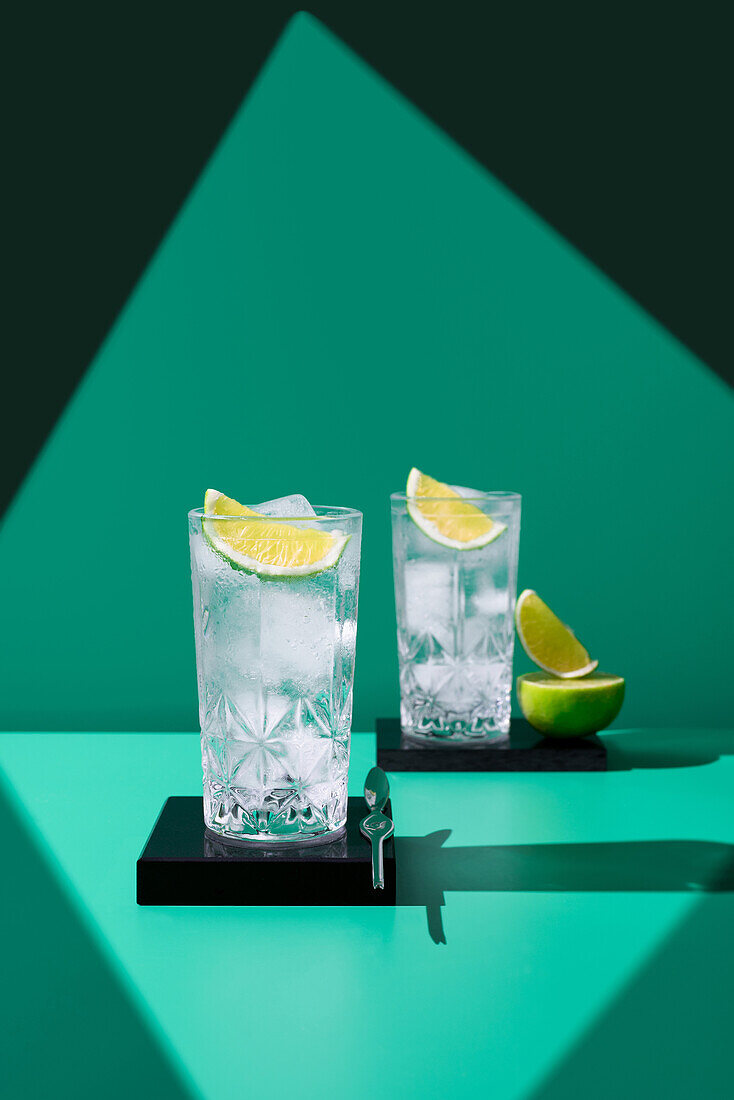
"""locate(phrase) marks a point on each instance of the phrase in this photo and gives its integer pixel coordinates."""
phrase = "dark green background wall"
(346, 294)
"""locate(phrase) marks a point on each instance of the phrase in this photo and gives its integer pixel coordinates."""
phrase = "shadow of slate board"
(183, 864)
(526, 750)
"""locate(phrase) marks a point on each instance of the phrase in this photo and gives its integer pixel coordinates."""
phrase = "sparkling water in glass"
(455, 619)
(275, 665)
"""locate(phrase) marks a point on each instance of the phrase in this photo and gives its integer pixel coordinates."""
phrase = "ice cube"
(429, 599)
(288, 507)
(298, 632)
(491, 601)
(464, 492)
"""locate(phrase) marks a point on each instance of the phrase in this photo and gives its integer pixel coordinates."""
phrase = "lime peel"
(570, 708)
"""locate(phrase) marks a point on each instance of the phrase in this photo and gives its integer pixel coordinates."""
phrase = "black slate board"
(183, 864)
(525, 750)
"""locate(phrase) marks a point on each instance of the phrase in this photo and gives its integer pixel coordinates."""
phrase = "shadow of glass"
(666, 748)
(67, 1026)
(427, 870)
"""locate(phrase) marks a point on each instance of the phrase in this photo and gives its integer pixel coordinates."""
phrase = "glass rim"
(325, 513)
(497, 494)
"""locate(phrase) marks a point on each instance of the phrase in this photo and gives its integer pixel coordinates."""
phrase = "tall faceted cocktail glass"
(275, 665)
(455, 619)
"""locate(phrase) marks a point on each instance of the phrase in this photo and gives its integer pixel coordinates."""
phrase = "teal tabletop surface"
(556, 935)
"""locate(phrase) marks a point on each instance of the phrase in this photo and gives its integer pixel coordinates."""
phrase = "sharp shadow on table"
(427, 870)
(68, 1026)
(666, 1032)
(666, 748)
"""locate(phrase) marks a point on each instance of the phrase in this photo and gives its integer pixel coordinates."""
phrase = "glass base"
(425, 720)
(484, 718)
(460, 737)
(273, 840)
(276, 816)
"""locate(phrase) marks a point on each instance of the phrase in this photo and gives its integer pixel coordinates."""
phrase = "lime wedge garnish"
(445, 516)
(547, 641)
(267, 547)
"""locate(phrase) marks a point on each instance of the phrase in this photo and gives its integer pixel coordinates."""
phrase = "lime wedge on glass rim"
(549, 642)
(445, 516)
(265, 546)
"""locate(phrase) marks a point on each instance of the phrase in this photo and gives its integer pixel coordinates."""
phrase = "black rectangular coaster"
(525, 750)
(182, 864)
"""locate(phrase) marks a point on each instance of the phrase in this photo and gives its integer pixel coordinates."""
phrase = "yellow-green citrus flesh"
(547, 641)
(268, 548)
(570, 708)
(446, 517)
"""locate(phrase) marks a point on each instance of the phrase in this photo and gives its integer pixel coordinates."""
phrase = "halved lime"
(547, 641)
(267, 548)
(570, 708)
(446, 517)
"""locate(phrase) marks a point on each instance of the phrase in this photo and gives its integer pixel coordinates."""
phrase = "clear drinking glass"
(275, 665)
(456, 631)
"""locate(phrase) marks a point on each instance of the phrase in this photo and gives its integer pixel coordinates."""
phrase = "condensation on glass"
(275, 665)
(455, 623)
